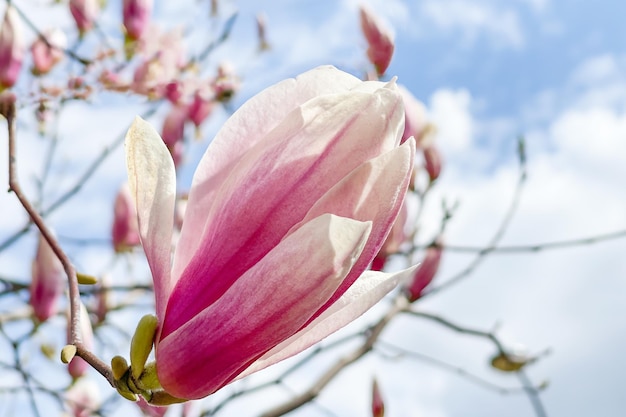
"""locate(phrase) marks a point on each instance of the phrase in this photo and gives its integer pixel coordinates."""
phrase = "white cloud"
(473, 19)
(450, 111)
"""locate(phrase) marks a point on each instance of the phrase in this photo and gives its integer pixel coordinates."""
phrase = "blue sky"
(488, 71)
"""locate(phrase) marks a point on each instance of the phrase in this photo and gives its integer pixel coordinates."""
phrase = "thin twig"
(537, 247)
(74, 301)
(496, 237)
(449, 367)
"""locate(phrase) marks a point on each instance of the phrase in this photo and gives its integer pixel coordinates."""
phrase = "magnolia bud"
(49, 51)
(380, 41)
(47, 282)
(11, 48)
(432, 159)
(378, 405)
(425, 273)
(136, 14)
(125, 231)
(84, 13)
(200, 108)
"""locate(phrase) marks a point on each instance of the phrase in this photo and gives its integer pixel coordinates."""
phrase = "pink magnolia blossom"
(11, 48)
(378, 404)
(379, 39)
(425, 272)
(289, 205)
(77, 366)
(84, 13)
(136, 14)
(47, 55)
(48, 278)
(125, 230)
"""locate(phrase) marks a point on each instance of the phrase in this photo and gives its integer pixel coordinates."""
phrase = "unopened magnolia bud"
(432, 159)
(67, 353)
(141, 344)
(378, 404)
(425, 273)
(380, 41)
(11, 48)
(136, 14)
(84, 13)
(47, 50)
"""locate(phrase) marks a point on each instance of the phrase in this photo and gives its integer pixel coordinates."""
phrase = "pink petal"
(373, 192)
(266, 305)
(241, 133)
(274, 186)
(369, 289)
(152, 182)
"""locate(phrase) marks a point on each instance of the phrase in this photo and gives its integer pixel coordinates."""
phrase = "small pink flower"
(379, 39)
(136, 15)
(11, 48)
(125, 231)
(378, 404)
(83, 398)
(47, 55)
(77, 366)
(48, 279)
(288, 207)
(85, 13)
(425, 272)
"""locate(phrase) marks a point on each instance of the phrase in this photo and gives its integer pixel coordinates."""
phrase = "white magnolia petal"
(152, 181)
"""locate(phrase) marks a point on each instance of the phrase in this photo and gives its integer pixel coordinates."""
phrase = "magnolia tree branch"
(9, 112)
(517, 194)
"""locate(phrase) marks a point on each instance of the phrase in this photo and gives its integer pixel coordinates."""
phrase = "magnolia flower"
(379, 39)
(84, 13)
(46, 286)
(11, 48)
(124, 233)
(47, 54)
(289, 205)
(136, 14)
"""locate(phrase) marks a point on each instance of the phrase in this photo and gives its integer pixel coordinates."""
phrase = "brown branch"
(8, 110)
